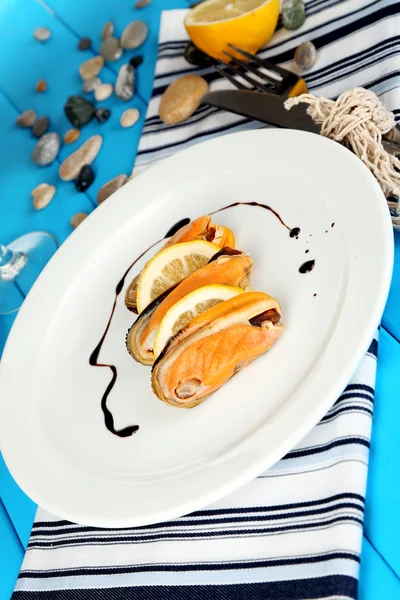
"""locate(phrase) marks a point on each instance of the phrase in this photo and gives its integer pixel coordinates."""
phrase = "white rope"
(357, 119)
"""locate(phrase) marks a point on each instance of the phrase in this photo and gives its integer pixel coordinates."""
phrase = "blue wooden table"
(23, 62)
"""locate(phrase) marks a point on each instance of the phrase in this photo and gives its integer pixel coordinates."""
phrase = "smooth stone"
(125, 84)
(84, 43)
(90, 68)
(293, 14)
(79, 111)
(111, 49)
(42, 34)
(40, 126)
(103, 91)
(102, 114)
(71, 136)
(42, 195)
(46, 149)
(305, 56)
(129, 117)
(181, 98)
(85, 178)
(91, 84)
(136, 61)
(142, 3)
(77, 219)
(194, 56)
(110, 187)
(26, 119)
(134, 35)
(70, 167)
(107, 30)
(41, 86)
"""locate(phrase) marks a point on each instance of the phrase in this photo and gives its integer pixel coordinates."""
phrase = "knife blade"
(269, 108)
(263, 107)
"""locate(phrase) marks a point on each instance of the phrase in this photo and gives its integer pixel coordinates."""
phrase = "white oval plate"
(52, 429)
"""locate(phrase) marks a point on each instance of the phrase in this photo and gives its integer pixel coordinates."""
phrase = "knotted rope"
(357, 119)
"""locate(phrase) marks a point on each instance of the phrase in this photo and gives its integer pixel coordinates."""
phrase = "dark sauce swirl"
(94, 357)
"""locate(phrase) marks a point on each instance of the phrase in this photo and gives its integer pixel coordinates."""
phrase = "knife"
(269, 108)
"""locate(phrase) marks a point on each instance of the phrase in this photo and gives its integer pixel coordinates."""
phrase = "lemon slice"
(247, 24)
(170, 266)
(189, 307)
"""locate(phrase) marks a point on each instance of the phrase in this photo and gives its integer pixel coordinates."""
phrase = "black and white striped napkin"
(295, 532)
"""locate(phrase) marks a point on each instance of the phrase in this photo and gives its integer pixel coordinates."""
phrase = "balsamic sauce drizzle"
(277, 215)
(93, 359)
(108, 417)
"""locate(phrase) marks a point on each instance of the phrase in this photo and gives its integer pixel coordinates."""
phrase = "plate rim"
(251, 472)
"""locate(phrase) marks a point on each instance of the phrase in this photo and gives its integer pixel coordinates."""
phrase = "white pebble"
(103, 91)
(42, 34)
(129, 117)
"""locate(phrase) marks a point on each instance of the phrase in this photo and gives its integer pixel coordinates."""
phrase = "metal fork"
(271, 79)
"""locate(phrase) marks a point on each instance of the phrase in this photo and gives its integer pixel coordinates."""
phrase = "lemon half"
(189, 307)
(247, 24)
(170, 266)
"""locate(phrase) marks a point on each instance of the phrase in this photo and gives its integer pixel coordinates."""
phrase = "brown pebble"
(108, 30)
(110, 187)
(181, 98)
(129, 117)
(42, 195)
(305, 56)
(84, 44)
(77, 219)
(41, 86)
(90, 68)
(71, 136)
(27, 118)
(85, 155)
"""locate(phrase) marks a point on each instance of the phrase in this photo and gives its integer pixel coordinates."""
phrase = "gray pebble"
(142, 3)
(42, 34)
(46, 149)
(111, 49)
(91, 84)
(134, 34)
(40, 126)
(27, 118)
(108, 30)
(305, 56)
(125, 84)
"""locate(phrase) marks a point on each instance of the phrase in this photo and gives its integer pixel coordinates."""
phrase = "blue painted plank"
(60, 56)
(11, 555)
(382, 524)
(90, 23)
(20, 176)
(377, 580)
(391, 320)
(20, 508)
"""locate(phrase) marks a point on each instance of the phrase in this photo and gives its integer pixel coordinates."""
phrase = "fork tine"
(276, 81)
(262, 62)
(230, 78)
(241, 71)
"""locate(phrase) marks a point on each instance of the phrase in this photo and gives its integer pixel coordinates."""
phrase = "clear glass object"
(21, 262)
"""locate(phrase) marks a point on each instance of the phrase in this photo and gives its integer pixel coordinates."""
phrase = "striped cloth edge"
(295, 532)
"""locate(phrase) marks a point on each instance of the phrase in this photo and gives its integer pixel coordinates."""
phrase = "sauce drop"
(307, 266)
